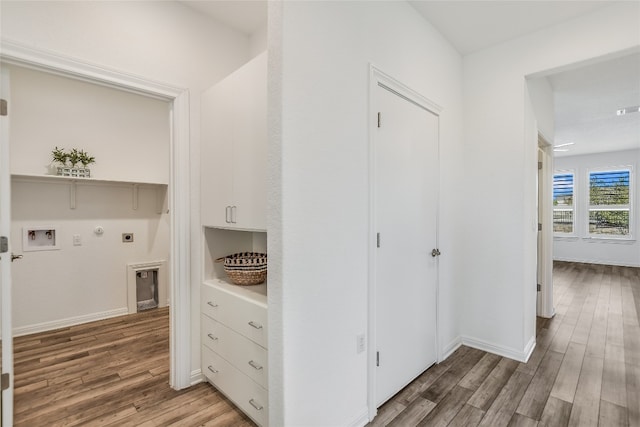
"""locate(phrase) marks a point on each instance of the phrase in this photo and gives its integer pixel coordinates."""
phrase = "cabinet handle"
(254, 365)
(212, 304)
(227, 214)
(233, 214)
(211, 369)
(255, 325)
(212, 337)
(255, 404)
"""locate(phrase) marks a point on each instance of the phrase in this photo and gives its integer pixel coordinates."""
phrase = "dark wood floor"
(585, 370)
(112, 372)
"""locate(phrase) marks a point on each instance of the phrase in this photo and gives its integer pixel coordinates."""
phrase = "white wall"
(500, 167)
(319, 219)
(129, 136)
(80, 283)
(599, 251)
(127, 133)
(162, 41)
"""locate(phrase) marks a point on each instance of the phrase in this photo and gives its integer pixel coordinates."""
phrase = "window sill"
(621, 241)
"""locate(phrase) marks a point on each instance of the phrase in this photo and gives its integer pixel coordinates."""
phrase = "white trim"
(196, 377)
(520, 356)
(450, 348)
(179, 188)
(379, 78)
(360, 420)
(597, 261)
(69, 321)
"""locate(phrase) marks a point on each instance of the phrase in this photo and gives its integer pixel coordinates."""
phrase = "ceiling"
(586, 100)
(475, 25)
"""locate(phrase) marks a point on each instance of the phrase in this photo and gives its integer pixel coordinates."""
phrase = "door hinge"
(378, 240)
(4, 383)
(4, 107)
(539, 226)
(379, 119)
(377, 358)
(539, 287)
(539, 165)
(4, 244)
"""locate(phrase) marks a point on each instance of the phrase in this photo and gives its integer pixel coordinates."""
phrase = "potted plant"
(69, 160)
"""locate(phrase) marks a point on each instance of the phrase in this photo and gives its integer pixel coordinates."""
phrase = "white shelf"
(161, 188)
(89, 181)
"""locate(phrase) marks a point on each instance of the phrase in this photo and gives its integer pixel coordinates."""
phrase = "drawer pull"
(213, 338)
(211, 369)
(212, 304)
(255, 404)
(254, 365)
(255, 325)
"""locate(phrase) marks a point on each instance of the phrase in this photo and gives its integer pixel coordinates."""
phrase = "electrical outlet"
(360, 343)
(127, 237)
(77, 240)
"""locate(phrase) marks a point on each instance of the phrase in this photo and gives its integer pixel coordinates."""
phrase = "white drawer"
(241, 352)
(244, 316)
(245, 393)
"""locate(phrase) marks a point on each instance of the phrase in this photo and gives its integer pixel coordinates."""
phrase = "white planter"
(76, 172)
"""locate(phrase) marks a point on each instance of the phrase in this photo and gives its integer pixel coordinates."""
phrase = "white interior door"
(406, 204)
(5, 257)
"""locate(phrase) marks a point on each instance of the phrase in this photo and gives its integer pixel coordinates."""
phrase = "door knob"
(435, 253)
(15, 257)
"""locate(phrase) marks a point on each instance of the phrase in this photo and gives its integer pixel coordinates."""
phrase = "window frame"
(630, 207)
(573, 209)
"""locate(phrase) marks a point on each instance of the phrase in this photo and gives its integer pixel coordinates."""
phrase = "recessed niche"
(40, 238)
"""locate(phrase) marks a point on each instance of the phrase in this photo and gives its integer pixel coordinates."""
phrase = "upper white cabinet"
(234, 149)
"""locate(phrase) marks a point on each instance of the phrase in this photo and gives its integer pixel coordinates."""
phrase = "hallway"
(584, 371)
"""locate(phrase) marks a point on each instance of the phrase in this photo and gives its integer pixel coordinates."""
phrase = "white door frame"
(179, 188)
(378, 77)
(544, 304)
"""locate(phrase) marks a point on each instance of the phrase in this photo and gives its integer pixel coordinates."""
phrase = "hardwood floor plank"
(480, 371)
(469, 416)
(436, 392)
(504, 406)
(556, 413)
(522, 421)
(532, 404)
(633, 393)
(493, 384)
(612, 415)
(567, 380)
(586, 403)
(387, 413)
(614, 376)
(414, 413)
(448, 408)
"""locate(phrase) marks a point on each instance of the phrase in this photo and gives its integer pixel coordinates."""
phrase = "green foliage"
(60, 156)
(73, 156)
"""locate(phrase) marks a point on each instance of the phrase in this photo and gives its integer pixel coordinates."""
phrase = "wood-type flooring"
(584, 371)
(112, 372)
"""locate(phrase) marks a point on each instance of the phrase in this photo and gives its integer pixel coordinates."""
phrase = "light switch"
(77, 240)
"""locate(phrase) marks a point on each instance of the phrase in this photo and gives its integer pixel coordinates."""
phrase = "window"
(609, 203)
(563, 207)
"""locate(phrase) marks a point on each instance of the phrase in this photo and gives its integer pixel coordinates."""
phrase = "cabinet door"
(216, 153)
(250, 145)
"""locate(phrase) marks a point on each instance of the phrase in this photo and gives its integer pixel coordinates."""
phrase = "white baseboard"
(520, 356)
(450, 348)
(596, 261)
(69, 321)
(360, 420)
(196, 377)
(528, 349)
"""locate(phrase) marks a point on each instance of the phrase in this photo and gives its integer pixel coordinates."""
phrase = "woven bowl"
(245, 268)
